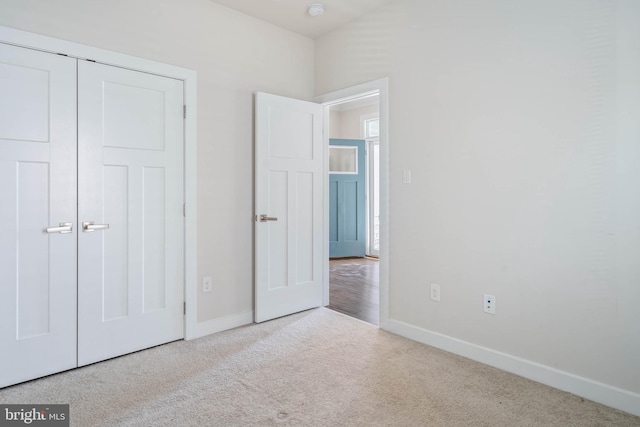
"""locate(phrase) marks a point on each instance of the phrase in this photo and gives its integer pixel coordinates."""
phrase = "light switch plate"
(406, 176)
(207, 284)
(435, 292)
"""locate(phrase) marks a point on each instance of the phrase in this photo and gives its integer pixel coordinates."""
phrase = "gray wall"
(346, 124)
(520, 122)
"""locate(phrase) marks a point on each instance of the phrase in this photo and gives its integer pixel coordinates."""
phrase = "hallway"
(354, 288)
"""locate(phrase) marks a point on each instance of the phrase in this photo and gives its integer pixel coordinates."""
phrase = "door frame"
(370, 144)
(381, 87)
(56, 46)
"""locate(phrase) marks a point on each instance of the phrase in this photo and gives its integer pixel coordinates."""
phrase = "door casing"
(372, 168)
(381, 87)
(48, 44)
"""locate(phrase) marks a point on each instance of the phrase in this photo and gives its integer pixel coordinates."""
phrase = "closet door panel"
(37, 191)
(131, 179)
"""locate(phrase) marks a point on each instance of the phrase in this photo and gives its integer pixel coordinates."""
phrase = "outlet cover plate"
(489, 303)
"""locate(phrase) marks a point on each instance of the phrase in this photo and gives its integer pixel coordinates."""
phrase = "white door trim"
(380, 86)
(371, 165)
(52, 45)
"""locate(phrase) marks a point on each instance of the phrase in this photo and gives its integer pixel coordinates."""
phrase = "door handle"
(64, 228)
(265, 218)
(90, 227)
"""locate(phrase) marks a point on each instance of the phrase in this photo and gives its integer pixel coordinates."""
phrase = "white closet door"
(37, 191)
(130, 149)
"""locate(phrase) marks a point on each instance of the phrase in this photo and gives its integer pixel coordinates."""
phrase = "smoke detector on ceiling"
(315, 9)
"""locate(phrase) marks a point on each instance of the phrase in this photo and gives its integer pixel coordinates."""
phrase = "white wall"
(520, 122)
(334, 123)
(346, 124)
(234, 56)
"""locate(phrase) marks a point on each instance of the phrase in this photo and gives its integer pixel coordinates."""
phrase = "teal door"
(347, 216)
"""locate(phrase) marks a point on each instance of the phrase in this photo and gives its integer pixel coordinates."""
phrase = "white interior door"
(289, 206)
(37, 191)
(130, 136)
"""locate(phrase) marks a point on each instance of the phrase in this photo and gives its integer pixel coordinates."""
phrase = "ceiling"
(292, 14)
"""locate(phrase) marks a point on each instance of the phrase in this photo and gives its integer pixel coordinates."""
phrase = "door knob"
(265, 218)
(90, 227)
(64, 228)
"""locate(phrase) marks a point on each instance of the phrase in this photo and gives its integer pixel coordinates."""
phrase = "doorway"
(354, 275)
(312, 125)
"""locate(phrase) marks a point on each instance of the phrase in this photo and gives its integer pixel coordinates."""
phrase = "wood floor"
(354, 289)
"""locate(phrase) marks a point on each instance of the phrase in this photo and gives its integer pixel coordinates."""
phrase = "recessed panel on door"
(154, 239)
(130, 135)
(24, 114)
(133, 116)
(38, 194)
(277, 252)
(34, 284)
(115, 268)
(304, 228)
(286, 125)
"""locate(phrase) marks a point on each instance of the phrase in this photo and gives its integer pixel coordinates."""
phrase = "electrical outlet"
(207, 284)
(489, 304)
(435, 292)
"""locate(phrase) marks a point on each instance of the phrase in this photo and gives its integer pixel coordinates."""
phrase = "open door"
(289, 195)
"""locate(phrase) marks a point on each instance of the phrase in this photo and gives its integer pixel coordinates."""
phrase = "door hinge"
(184, 111)
(184, 210)
(184, 306)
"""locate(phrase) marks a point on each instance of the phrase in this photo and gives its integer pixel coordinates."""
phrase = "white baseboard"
(222, 324)
(598, 392)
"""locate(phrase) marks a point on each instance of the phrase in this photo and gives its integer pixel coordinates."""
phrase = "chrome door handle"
(90, 227)
(265, 218)
(64, 228)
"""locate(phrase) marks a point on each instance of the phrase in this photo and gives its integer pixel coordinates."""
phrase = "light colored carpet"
(317, 368)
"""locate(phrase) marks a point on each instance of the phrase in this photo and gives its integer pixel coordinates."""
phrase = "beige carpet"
(317, 368)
